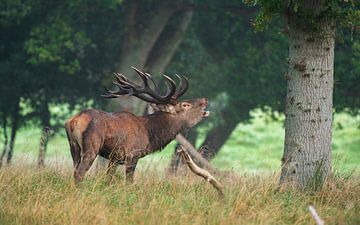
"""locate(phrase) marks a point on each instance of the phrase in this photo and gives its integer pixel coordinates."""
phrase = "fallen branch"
(200, 171)
(314, 214)
(195, 154)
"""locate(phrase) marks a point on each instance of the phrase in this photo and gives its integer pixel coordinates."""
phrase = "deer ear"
(163, 108)
(154, 107)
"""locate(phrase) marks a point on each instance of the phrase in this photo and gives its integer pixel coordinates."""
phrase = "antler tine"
(125, 87)
(114, 94)
(152, 80)
(172, 83)
(183, 86)
(124, 82)
(146, 89)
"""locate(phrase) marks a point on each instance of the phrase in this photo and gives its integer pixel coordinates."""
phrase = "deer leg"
(90, 149)
(74, 149)
(75, 153)
(130, 166)
(84, 166)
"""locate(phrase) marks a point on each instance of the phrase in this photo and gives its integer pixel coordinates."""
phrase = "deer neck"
(162, 129)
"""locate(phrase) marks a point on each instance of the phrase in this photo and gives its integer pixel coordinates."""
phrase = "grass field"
(48, 196)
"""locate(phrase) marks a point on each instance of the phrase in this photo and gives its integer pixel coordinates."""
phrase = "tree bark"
(168, 43)
(45, 121)
(307, 149)
(6, 146)
(217, 137)
(14, 128)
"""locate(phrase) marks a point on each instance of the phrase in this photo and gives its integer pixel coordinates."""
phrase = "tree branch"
(200, 172)
(195, 154)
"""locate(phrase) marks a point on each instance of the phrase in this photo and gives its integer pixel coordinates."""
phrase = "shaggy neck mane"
(162, 128)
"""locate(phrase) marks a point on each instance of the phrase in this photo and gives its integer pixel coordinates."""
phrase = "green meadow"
(254, 147)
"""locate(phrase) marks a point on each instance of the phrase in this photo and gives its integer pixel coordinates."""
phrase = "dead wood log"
(200, 171)
(196, 155)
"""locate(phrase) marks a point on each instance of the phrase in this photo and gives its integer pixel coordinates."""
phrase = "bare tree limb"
(314, 214)
(195, 154)
(199, 171)
(168, 42)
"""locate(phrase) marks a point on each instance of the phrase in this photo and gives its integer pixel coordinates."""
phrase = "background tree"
(239, 72)
(49, 50)
(309, 99)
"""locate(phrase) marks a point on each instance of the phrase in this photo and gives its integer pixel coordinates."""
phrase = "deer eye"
(185, 105)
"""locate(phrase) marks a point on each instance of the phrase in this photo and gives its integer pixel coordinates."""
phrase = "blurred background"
(56, 57)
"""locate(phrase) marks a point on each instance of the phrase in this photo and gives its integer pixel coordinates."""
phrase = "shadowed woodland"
(283, 83)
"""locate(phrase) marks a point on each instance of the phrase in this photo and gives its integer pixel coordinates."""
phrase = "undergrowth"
(48, 196)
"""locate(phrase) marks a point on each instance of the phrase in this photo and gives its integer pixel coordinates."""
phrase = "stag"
(123, 137)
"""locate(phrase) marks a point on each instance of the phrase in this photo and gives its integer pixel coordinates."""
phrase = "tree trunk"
(307, 149)
(216, 138)
(168, 43)
(176, 161)
(6, 146)
(45, 121)
(139, 42)
(14, 127)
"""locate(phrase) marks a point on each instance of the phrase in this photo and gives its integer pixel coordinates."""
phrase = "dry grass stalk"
(316, 217)
(199, 171)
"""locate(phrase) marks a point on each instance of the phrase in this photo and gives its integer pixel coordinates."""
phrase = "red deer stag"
(123, 137)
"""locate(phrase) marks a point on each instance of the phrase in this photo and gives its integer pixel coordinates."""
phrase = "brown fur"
(123, 137)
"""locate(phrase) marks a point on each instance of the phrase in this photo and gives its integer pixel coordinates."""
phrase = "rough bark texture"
(307, 148)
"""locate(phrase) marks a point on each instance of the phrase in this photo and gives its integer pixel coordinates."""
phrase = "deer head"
(190, 112)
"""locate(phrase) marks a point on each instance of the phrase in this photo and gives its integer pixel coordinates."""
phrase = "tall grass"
(48, 196)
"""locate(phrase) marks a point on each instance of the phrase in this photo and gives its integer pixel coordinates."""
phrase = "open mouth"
(205, 113)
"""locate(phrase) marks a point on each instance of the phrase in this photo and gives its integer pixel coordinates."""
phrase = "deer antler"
(145, 92)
